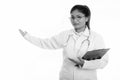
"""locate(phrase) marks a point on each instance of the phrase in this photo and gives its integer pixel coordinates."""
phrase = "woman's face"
(78, 19)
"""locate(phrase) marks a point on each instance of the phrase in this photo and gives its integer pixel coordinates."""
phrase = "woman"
(75, 43)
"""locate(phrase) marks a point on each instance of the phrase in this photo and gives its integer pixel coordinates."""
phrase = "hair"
(85, 10)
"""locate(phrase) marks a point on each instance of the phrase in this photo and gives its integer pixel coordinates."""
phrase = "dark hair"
(85, 10)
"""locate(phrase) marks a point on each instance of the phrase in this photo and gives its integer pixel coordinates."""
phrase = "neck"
(80, 29)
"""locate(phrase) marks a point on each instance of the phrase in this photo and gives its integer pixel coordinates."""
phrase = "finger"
(22, 32)
(72, 60)
(25, 32)
(79, 58)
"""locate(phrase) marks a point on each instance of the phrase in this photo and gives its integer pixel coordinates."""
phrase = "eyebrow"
(76, 16)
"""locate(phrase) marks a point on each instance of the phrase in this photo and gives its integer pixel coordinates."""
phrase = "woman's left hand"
(81, 61)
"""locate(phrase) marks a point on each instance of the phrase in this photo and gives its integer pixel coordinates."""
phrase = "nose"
(76, 21)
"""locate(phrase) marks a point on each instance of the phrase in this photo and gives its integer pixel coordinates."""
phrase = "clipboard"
(95, 54)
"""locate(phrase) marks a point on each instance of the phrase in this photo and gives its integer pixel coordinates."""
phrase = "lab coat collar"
(85, 33)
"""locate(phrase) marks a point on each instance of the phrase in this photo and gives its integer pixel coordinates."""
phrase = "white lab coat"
(70, 41)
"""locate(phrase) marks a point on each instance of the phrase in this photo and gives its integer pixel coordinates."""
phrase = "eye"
(76, 17)
(79, 17)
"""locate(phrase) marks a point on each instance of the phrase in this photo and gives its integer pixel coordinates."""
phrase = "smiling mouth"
(75, 24)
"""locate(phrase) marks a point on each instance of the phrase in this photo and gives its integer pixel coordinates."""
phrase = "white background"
(20, 60)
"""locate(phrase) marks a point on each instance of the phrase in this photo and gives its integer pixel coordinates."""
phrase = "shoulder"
(97, 38)
(95, 34)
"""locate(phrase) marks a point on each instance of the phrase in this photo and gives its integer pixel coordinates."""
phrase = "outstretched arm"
(54, 42)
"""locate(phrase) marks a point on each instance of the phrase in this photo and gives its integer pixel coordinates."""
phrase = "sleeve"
(54, 42)
(98, 63)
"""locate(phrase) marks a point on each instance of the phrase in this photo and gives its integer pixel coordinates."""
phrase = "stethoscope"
(85, 41)
(84, 44)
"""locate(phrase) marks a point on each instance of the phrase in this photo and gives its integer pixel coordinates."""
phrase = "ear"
(86, 19)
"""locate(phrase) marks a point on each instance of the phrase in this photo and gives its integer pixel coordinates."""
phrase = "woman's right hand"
(23, 33)
(81, 62)
(76, 62)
